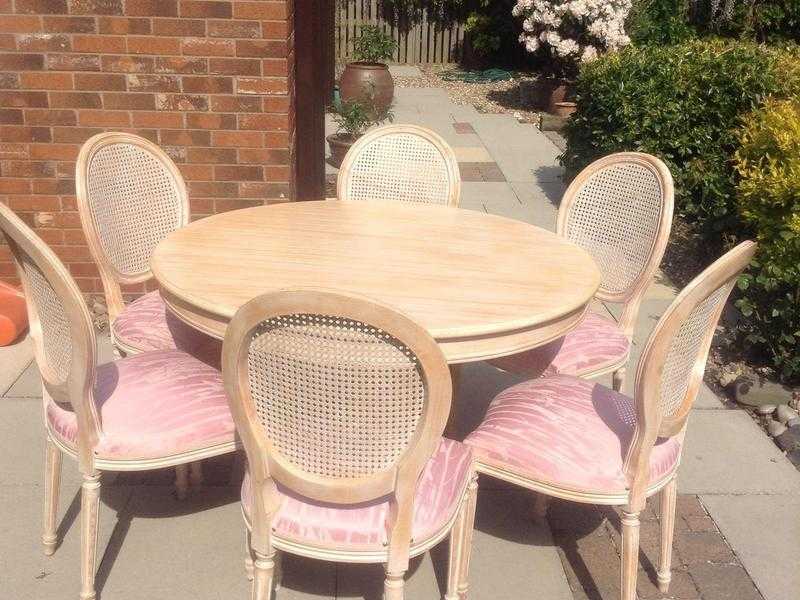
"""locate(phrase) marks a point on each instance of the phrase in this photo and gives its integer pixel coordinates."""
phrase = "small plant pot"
(543, 93)
(13, 314)
(370, 83)
(339, 145)
(564, 109)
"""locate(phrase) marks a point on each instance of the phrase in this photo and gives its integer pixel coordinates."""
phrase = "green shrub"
(768, 166)
(682, 103)
(762, 20)
(659, 22)
(373, 45)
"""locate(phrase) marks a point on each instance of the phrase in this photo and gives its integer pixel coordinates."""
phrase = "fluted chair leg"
(52, 487)
(263, 572)
(668, 498)
(393, 586)
(455, 550)
(90, 505)
(630, 553)
(248, 556)
(466, 543)
(182, 481)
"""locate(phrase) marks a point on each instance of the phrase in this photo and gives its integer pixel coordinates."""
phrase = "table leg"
(450, 429)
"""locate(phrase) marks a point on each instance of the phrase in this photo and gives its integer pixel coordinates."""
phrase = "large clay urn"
(369, 83)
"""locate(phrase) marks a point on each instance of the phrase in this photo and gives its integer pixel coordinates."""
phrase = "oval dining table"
(483, 286)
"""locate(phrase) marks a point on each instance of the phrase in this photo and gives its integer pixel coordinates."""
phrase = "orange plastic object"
(13, 314)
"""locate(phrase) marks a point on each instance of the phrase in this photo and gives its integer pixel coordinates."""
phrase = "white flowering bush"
(573, 31)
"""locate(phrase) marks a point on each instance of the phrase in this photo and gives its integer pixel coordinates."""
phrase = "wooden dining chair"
(569, 438)
(404, 163)
(148, 411)
(618, 209)
(340, 404)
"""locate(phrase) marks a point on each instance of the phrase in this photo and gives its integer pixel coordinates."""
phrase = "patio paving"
(737, 533)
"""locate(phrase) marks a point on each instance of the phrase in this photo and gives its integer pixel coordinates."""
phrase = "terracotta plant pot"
(564, 109)
(339, 144)
(13, 314)
(542, 94)
(367, 82)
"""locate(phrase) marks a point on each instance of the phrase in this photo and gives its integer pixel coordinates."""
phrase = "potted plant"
(368, 75)
(567, 34)
(353, 118)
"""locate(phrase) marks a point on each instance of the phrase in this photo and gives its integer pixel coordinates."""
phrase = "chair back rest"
(60, 324)
(400, 163)
(619, 209)
(338, 398)
(130, 196)
(673, 362)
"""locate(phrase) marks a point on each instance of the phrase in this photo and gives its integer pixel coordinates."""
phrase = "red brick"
(234, 66)
(154, 83)
(50, 117)
(153, 45)
(99, 81)
(274, 30)
(27, 168)
(83, 269)
(127, 64)
(105, 44)
(32, 42)
(19, 24)
(234, 29)
(14, 186)
(73, 62)
(74, 100)
(262, 85)
(224, 156)
(263, 121)
(9, 81)
(95, 7)
(268, 11)
(236, 104)
(180, 64)
(157, 119)
(74, 236)
(262, 48)
(63, 24)
(7, 41)
(208, 85)
(152, 8)
(226, 205)
(195, 172)
(238, 173)
(128, 101)
(215, 189)
(21, 62)
(252, 139)
(74, 135)
(185, 137)
(181, 102)
(208, 47)
(124, 25)
(211, 10)
(210, 121)
(54, 186)
(35, 203)
(19, 133)
(275, 67)
(179, 27)
(46, 81)
(104, 118)
(54, 152)
(199, 206)
(277, 104)
(41, 7)
(12, 116)
(276, 139)
(13, 151)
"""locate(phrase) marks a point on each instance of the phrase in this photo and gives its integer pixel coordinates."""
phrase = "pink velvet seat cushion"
(146, 325)
(567, 432)
(363, 526)
(596, 344)
(153, 405)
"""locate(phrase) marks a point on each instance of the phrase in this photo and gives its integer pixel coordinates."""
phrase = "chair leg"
(52, 487)
(393, 585)
(182, 481)
(630, 553)
(249, 556)
(263, 571)
(454, 552)
(618, 379)
(90, 504)
(196, 474)
(540, 504)
(667, 517)
(451, 429)
(466, 539)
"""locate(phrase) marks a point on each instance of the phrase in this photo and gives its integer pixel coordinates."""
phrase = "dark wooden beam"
(311, 28)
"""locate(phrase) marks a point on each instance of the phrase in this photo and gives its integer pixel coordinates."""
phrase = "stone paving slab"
(14, 359)
(765, 531)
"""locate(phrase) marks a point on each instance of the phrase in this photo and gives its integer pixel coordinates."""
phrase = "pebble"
(784, 414)
(795, 422)
(775, 429)
(766, 409)
(789, 439)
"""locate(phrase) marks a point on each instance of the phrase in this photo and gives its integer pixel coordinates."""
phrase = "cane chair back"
(60, 324)
(619, 209)
(673, 362)
(335, 397)
(401, 163)
(130, 196)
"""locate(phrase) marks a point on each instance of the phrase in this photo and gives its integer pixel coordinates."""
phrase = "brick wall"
(210, 82)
